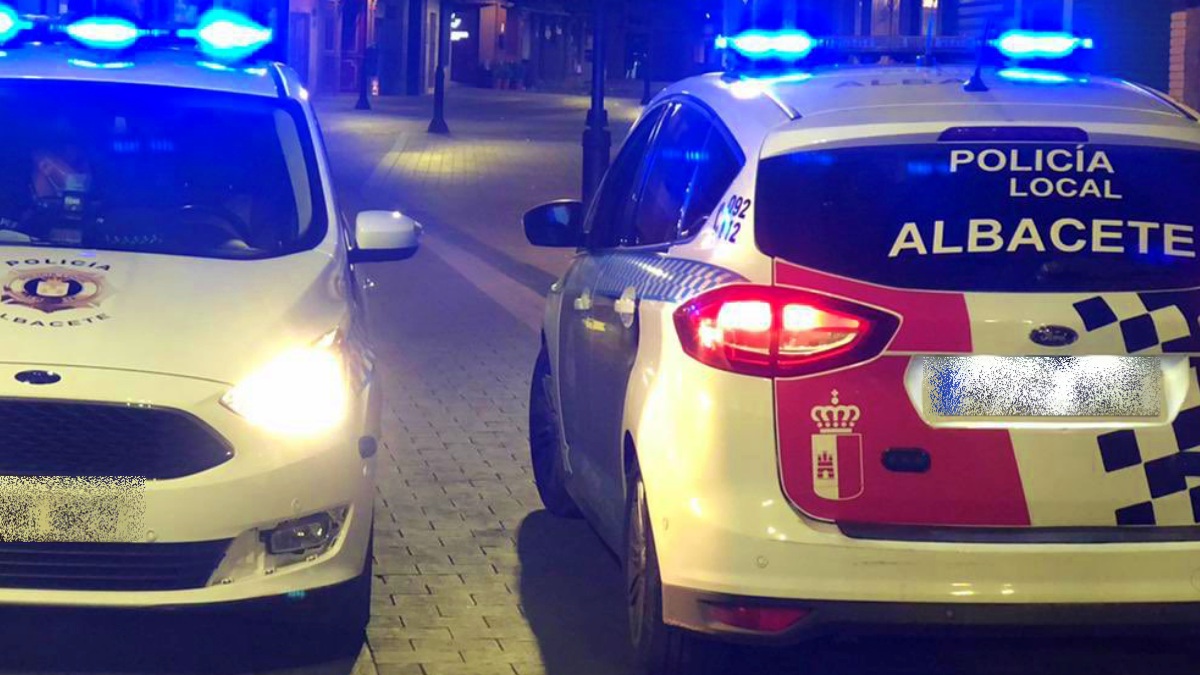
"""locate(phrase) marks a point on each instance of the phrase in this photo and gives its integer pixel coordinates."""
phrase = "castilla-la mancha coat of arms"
(837, 452)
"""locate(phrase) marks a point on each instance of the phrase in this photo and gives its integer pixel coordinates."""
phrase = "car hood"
(194, 317)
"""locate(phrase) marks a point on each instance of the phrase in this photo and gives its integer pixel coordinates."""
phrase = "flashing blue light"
(1019, 44)
(228, 36)
(104, 32)
(755, 44)
(11, 23)
(100, 65)
(1036, 76)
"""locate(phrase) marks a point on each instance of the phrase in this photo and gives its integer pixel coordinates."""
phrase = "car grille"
(58, 438)
(109, 567)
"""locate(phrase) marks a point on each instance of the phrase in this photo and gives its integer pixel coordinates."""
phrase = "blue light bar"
(1019, 44)
(791, 45)
(11, 23)
(104, 32)
(225, 35)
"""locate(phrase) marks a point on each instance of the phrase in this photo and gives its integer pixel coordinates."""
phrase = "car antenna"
(976, 83)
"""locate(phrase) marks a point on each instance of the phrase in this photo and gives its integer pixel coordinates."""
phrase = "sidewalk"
(507, 152)
(473, 578)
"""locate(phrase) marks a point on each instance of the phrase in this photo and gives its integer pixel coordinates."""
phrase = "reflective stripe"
(658, 277)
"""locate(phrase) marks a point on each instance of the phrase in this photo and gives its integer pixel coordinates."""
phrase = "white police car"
(187, 393)
(882, 344)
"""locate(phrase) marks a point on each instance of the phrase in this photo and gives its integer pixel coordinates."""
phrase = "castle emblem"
(837, 451)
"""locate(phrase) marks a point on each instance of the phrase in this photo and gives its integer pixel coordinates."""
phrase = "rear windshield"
(994, 217)
(156, 170)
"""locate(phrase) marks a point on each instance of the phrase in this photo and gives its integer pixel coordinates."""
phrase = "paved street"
(473, 577)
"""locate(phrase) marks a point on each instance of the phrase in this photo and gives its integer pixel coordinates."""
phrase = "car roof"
(183, 68)
(752, 107)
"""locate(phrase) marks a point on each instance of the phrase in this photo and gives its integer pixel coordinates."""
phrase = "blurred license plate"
(51, 508)
(1037, 386)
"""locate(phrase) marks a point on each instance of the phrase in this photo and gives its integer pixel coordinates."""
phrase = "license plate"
(1041, 387)
(53, 508)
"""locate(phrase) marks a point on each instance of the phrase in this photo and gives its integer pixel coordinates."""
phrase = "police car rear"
(954, 382)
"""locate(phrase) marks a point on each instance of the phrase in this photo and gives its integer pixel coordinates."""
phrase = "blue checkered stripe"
(1149, 323)
(659, 278)
(1171, 467)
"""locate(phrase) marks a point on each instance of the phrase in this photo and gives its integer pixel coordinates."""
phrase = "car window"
(677, 155)
(608, 224)
(719, 163)
(157, 170)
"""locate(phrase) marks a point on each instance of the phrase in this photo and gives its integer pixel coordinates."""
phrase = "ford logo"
(38, 377)
(1054, 336)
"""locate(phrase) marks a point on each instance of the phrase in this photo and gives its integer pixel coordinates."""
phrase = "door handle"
(626, 306)
(584, 302)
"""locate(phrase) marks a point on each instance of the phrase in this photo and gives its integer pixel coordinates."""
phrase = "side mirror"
(383, 236)
(557, 224)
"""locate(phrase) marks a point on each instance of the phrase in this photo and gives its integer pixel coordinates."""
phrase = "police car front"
(882, 344)
(187, 392)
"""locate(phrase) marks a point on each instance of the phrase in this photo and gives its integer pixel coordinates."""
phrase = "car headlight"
(302, 392)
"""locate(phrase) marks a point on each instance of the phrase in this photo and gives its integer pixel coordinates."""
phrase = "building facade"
(548, 43)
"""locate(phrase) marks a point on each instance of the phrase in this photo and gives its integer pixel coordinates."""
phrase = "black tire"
(658, 649)
(545, 446)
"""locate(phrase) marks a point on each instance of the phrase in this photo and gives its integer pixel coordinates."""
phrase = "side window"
(609, 220)
(677, 157)
(721, 164)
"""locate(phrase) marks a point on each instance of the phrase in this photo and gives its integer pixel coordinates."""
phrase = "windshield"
(156, 170)
(987, 217)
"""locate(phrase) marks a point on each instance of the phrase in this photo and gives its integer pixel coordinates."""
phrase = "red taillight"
(771, 331)
(756, 619)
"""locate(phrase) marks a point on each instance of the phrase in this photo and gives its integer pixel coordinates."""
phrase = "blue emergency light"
(105, 32)
(1037, 76)
(11, 23)
(788, 45)
(1020, 44)
(225, 35)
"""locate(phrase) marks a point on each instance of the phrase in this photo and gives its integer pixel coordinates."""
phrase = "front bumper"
(268, 481)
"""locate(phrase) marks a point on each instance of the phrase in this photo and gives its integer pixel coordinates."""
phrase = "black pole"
(438, 124)
(365, 71)
(597, 141)
(646, 85)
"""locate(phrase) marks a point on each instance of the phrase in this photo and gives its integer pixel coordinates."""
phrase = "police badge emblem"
(52, 289)
(837, 452)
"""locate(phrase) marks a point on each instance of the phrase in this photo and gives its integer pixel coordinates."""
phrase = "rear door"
(608, 220)
(690, 165)
(1046, 291)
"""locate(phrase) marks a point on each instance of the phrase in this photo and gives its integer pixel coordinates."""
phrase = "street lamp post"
(647, 94)
(597, 140)
(365, 72)
(438, 124)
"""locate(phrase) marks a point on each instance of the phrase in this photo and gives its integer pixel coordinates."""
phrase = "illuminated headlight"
(302, 392)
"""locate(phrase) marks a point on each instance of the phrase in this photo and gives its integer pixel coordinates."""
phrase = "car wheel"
(545, 446)
(658, 649)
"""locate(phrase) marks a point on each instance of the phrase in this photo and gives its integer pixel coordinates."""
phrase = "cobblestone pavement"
(472, 576)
